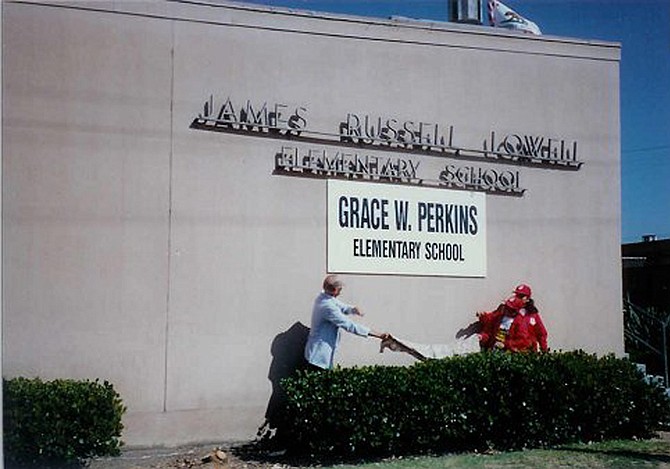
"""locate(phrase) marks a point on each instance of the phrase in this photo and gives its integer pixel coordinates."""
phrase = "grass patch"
(618, 454)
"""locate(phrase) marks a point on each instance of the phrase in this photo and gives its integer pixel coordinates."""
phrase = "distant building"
(646, 273)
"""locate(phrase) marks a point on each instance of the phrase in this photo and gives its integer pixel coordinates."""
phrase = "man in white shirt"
(329, 315)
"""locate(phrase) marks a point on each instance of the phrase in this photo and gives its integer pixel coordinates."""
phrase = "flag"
(501, 16)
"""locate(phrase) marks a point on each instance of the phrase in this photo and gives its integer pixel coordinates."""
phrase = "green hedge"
(51, 422)
(475, 402)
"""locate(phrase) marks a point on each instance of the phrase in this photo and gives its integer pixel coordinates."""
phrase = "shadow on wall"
(287, 358)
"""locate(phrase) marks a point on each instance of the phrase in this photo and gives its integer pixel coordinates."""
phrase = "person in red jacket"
(503, 328)
(534, 325)
(516, 325)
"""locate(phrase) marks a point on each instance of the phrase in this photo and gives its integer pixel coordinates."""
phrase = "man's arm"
(338, 317)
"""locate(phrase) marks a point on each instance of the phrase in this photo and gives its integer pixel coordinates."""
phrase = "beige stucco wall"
(166, 259)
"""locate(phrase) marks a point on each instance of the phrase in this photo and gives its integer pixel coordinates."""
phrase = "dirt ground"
(209, 456)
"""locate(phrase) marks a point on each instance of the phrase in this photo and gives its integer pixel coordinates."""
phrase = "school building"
(179, 176)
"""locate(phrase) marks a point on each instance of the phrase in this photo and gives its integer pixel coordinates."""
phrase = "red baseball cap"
(523, 289)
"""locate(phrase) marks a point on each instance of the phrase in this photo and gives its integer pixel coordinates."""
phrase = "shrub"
(475, 402)
(60, 421)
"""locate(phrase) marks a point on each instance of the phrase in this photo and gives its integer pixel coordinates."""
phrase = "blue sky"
(643, 29)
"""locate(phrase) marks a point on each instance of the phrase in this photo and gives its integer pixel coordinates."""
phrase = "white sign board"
(393, 229)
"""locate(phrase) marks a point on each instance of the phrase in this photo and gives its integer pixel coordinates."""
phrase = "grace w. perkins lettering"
(383, 214)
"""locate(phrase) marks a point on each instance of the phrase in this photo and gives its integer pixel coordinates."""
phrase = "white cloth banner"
(425, 351)
(501, 16)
